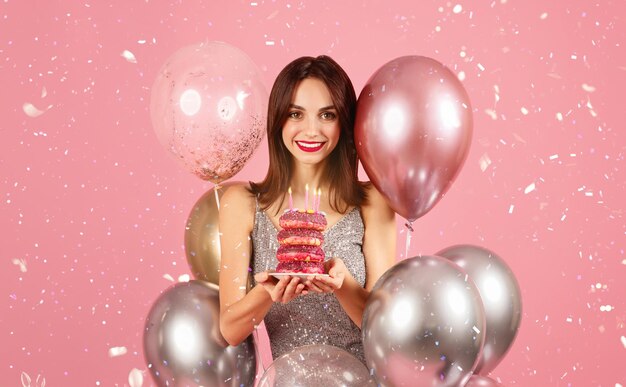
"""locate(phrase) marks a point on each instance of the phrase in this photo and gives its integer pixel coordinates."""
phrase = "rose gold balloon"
(202, 236)
(482, 381)
(412, 132)
(208, 107)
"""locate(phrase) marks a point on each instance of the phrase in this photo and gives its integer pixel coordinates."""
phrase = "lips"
(310, 146)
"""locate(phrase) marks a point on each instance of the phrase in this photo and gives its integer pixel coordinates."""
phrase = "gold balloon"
(202, 235)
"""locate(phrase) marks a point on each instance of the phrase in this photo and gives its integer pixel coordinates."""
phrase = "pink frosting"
(301, 219)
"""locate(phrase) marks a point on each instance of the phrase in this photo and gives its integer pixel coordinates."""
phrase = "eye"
(328, 116)
(295, 115)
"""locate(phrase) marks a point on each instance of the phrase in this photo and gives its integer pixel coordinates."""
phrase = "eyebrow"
(329, 107)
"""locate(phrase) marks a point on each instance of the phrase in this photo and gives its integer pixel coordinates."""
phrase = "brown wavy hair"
(341, 170)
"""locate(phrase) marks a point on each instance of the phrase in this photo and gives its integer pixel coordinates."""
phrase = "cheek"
(286, 135)
(333, 133)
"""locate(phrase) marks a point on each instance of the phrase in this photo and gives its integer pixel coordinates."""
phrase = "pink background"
(93, 208)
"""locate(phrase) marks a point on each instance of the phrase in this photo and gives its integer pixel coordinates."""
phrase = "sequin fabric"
(313, 318)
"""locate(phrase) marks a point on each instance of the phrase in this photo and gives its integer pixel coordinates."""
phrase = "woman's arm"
(379, 241)
(241, 312)
(379, 249)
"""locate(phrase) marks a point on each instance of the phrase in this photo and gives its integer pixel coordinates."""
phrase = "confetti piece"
(491, 113)
(519, 138)
(129, 56)
(25, 379)
(135, 378)
(543, 16)
(21, 263)
(184, 278)
(529, 188)
(476, 329)
(623, 340)
(457, 8)
(32, 111)
(524, 110)
(484, 162)
(44, 92)
(559, 116)
(117, 351)
(168, 277)
(588, 88)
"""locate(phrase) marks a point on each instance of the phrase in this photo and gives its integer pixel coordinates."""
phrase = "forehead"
(312, 92)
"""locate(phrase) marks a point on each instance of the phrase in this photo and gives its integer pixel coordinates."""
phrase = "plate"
(299, 275)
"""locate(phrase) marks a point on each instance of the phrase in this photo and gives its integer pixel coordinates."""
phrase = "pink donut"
(301, 267)
(288, 253)
(300, 236)
(302, 219)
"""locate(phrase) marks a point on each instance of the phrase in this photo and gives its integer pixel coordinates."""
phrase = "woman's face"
(311, 130)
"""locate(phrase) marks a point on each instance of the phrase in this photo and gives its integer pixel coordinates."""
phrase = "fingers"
(312, 286)
(281, 285)
(290, 290)
(261, 276)
(321, 284)
(287, 289)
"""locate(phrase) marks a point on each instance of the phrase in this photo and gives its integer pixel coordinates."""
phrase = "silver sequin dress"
(313, 318)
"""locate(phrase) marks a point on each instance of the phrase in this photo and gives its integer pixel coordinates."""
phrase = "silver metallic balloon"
(500, 295)
(482, 381)
(423, 324)
(317, 366)
(183, 345)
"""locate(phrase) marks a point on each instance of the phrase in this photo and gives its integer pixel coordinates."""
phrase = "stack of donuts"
(300, 242)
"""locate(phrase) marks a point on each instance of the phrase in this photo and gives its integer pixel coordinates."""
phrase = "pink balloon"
(208, 108)
(412, 132)
(482, 381)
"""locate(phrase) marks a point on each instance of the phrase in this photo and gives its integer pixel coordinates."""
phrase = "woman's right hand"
(283, 290)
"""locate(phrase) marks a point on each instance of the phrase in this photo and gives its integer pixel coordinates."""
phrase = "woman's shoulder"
(374, 197)
(376, 203)
(237, 199)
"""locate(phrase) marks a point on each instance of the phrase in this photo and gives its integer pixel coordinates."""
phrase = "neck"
(306, 174)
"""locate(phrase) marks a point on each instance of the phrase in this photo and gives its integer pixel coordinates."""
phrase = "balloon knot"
(409, 225)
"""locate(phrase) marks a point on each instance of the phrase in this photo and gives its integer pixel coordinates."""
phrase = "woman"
(310, 130)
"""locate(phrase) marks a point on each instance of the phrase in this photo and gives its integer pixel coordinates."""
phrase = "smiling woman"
(310, 134)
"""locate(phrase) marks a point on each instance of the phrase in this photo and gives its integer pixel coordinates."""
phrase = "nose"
(313, 126)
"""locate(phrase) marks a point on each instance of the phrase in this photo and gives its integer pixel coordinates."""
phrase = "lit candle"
(319, 199)
(290, 200)
(306, 198)
(314, 200)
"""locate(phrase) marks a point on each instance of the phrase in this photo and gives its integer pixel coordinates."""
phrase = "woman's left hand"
(336, 270)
